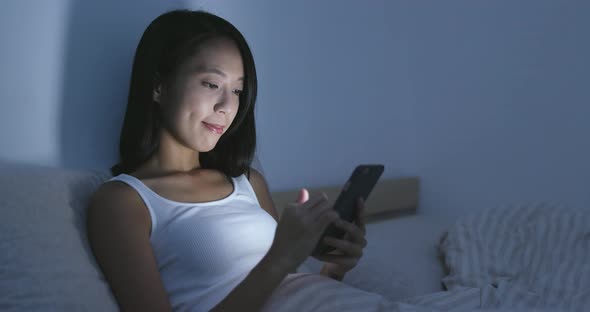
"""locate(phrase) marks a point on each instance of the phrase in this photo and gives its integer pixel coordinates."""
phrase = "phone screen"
(360, 184)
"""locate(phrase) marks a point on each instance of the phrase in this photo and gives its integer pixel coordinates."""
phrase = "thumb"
(303, 196)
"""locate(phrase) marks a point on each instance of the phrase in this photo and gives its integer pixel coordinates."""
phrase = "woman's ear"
(157, 93)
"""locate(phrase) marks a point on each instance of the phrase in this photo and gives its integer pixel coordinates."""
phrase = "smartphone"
(360, 184)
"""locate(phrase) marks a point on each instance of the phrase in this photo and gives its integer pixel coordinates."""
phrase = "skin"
(206, 89)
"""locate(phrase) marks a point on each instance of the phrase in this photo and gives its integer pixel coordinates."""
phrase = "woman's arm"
(118, 227)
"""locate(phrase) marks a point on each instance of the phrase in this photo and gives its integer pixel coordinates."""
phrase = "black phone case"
(360, 184)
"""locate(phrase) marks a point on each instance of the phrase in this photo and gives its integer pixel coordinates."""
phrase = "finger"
(299, 209)
(344, 261)
(314, 201)
(303, 196)
(319, 207)
(347, 247)
(354, 232)
(325, 218)
(360, 218)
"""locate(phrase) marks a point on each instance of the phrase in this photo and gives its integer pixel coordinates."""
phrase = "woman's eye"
(210, 85)
(237, 91)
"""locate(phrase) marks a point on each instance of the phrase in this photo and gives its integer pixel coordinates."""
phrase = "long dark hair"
(167, 42)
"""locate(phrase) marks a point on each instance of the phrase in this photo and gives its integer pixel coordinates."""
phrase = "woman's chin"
(207, 147)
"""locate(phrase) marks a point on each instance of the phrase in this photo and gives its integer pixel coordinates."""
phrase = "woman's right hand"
(299, 229)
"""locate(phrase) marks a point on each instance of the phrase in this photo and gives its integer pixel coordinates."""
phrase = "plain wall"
(33, 36)
(502, 102)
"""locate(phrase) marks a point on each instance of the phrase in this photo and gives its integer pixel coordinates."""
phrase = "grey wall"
(502, 102)
(33, 36)
(485, 100)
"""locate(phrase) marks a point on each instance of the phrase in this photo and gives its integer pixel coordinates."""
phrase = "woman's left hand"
(349, 249)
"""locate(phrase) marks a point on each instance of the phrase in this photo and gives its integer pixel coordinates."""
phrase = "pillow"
(401, 259)
(45, 260)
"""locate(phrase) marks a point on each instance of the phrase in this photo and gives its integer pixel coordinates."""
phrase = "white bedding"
(314, 293)
(527, 258)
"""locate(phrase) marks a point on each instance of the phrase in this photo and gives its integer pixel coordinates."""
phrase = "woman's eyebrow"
(211, 70)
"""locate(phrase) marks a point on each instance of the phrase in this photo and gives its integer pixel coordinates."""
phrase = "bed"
(526, 257)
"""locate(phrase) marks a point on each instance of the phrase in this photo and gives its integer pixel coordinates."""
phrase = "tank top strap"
(133, 182)
(243, 186)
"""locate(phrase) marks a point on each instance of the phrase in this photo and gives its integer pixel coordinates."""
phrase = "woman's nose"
(227, 102)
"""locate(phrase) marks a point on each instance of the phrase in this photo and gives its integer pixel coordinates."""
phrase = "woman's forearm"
(251, 294)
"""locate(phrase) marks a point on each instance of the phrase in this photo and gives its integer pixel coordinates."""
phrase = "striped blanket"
(533, 256)
(526, 258)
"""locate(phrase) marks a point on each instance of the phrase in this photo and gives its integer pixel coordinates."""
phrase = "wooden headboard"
(389, 198)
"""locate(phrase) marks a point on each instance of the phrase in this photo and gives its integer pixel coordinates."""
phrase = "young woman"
(185, 223)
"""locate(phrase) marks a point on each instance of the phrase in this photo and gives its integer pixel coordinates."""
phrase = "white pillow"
(45, 261)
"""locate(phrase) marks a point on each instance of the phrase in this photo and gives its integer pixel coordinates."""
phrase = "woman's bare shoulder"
(115, 199)
(114, 192)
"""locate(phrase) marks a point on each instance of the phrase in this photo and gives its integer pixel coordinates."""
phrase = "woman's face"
(202, 100)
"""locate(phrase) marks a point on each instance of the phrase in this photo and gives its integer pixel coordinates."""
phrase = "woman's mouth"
(214, 128)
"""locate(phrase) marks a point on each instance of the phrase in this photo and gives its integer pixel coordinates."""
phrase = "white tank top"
(204, 250)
